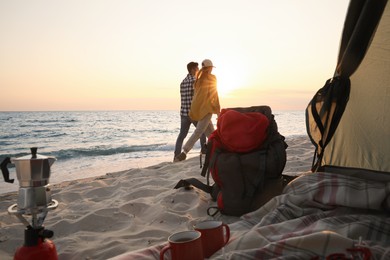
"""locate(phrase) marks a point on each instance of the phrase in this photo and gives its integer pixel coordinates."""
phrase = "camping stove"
(34, 201)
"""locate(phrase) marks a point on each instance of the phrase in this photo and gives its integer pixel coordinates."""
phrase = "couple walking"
(199, 101)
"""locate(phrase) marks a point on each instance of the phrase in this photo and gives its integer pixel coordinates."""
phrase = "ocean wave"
(4, 143)
(9, 137)
(107, 151)
(97, 151)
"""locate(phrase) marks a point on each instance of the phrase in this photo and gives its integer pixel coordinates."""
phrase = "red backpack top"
(241, 132)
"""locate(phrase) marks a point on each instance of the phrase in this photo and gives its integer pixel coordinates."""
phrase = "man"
(186, 94)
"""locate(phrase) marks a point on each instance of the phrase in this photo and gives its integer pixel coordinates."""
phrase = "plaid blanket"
(318, 216)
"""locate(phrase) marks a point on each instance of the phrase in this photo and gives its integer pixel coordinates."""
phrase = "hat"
(207, 63)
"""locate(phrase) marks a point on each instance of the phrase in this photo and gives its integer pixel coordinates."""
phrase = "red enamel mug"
(215, 235)
(184, 245)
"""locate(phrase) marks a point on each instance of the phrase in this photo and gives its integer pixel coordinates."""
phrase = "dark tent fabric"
(348, 119)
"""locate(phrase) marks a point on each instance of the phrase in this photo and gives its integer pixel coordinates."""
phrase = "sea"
(93, 143)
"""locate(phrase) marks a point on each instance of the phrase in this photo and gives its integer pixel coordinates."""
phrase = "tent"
(348, 120)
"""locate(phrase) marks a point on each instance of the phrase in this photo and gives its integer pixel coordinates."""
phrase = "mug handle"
(227, 230)
(162, 252)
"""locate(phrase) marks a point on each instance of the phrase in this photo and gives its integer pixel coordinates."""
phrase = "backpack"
(245, 157)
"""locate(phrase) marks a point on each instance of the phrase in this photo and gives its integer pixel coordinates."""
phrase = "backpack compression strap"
(207, 158)
(194, 182)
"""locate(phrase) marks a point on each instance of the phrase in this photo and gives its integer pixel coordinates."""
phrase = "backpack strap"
(209, 146)
(196, 183)
(5, 171)
(214, 213)
(212, 162)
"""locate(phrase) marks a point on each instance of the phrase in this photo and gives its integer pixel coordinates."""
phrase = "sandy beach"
(106, 216)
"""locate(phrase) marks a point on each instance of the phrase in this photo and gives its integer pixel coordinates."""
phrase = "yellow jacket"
(205, 100)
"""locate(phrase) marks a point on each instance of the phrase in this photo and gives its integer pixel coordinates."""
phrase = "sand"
(106, 216)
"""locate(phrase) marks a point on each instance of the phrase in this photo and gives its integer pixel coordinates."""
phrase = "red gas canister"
(36, 246)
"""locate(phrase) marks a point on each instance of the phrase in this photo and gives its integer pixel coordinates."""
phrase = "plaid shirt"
(186, 94)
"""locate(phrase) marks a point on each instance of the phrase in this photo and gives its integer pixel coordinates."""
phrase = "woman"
(204, 104)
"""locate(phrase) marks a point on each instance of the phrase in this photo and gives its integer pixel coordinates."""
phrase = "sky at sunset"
(127, 54)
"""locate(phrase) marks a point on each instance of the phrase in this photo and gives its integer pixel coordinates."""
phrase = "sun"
(229, 79)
